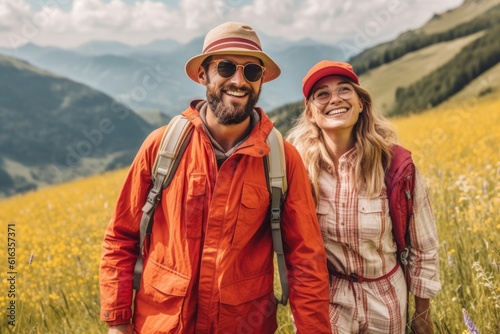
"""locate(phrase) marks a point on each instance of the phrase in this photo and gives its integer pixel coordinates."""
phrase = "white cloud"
(95, 16)
(152, 16)
(198, 14)
(12, 13)
(145, 20)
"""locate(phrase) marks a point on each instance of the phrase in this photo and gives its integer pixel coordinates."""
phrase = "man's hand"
(121, 329)
(421, 321)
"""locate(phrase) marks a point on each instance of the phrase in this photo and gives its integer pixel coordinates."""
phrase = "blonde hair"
(373, 139)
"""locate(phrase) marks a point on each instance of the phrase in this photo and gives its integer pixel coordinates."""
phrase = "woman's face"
(335, 104)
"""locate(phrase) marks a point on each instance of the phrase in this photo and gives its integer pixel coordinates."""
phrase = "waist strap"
(359, 279)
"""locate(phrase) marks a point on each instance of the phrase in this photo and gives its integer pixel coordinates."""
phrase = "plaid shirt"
(357, 233)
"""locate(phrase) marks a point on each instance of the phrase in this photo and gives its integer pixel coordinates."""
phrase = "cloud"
(332, 22)
(13, 12)
(144, 20)
(95, 16)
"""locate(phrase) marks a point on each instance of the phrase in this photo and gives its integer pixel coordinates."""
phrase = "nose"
(334, 97)
(238, 77)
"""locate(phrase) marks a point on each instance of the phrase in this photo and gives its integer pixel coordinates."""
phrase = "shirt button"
(261, 151)
(106, 315)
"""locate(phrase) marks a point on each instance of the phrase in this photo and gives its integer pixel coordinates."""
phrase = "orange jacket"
(209, 264)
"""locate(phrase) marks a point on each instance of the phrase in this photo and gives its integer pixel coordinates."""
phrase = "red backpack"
(400, 180)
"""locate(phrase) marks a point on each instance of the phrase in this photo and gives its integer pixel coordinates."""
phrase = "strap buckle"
(404, 256)
(276, 215)
(151, 201)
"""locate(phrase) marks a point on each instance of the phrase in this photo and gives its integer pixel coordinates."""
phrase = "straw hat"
(325, 68)
(233, 38)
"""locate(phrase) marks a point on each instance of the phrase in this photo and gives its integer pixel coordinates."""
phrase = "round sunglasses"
(227, 68)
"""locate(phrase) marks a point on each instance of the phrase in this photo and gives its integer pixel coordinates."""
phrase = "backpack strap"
(400, 181)
(172, 146)
(278, 186)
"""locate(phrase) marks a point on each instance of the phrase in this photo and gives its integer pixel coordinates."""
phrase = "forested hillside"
(54, 129)
(472, 61)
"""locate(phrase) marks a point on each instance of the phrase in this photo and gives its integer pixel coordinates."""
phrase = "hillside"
(54, 129)
(468, 11)
(383, 81)
(447, 80)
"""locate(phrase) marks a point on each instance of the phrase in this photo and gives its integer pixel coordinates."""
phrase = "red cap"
(325, 68)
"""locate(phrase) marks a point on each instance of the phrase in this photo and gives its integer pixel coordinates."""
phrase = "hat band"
(232, 42)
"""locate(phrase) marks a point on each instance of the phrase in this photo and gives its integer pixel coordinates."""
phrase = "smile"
(236, 93)
(336, 111)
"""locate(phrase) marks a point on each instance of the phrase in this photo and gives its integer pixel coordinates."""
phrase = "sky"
(70, 23)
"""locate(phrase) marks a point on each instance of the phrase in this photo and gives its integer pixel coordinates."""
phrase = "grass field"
(58, 231)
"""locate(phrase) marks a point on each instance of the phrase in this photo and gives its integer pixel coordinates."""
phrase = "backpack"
(172, 146)
(400, 183)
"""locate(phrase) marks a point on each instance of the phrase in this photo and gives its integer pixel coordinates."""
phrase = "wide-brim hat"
(233, 38)
(325, 68)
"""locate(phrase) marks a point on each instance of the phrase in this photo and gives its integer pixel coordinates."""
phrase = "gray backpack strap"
(172, 146)
(278, 187)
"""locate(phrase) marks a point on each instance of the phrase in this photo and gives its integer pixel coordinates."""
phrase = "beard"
(233, 113)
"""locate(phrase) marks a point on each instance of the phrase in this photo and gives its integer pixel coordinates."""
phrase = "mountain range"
(72, 113)
(152, 77)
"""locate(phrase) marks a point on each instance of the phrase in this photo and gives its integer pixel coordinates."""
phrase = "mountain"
(54, 129)
(159, 46)
(101, 48)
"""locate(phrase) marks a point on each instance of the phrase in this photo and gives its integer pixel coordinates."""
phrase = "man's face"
(232, 99)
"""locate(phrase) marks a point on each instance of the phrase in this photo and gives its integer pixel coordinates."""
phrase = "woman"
(347, 149)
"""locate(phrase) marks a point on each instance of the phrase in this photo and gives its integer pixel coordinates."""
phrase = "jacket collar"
(256, 141)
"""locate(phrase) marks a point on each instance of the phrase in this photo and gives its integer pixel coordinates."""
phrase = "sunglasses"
(227, 68)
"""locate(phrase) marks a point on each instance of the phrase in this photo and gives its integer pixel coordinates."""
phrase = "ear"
(309, 115)
(360, 106)
(202, 76)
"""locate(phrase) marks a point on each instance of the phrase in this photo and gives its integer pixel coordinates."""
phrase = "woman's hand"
(421, 321)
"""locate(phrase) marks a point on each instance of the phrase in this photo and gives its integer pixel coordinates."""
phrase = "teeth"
(235, 93)
(336, 111)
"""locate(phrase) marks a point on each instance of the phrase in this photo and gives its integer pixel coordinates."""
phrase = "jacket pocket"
(248, 305)
(371, 217)
(195, 202)
(159, 303)
(251, 214)
(164, 284)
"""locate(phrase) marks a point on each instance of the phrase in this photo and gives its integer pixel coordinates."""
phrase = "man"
(208, 267)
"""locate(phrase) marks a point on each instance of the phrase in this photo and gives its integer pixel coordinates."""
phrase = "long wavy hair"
(373, 139)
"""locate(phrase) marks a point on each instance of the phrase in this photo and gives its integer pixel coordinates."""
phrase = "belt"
(359, 279)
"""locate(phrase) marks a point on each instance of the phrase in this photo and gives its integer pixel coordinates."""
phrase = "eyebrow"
(326, 86)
